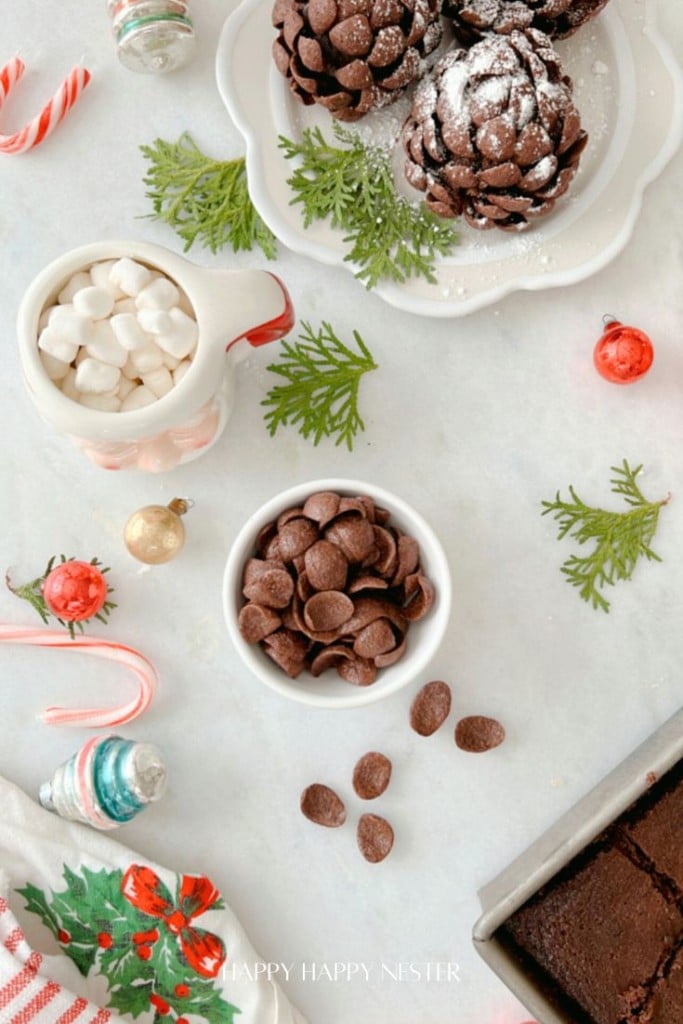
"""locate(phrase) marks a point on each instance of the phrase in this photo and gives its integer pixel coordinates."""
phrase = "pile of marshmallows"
(121, 336)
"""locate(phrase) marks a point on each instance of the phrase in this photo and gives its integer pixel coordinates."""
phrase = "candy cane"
(91, 718)
(51, 114)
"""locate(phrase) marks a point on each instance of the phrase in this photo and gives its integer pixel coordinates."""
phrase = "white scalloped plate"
(627, 87)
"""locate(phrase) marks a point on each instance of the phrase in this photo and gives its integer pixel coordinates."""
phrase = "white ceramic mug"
(248, 306)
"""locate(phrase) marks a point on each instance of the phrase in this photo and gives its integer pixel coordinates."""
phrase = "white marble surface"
(474, 421)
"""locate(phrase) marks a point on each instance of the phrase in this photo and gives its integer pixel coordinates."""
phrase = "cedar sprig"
(323, 379)
(619, 538)
(203, 199)
(388, 237)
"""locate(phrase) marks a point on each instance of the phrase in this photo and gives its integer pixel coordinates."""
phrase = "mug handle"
(270, 330)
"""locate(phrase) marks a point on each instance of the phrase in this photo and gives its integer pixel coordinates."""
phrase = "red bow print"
(204, 951)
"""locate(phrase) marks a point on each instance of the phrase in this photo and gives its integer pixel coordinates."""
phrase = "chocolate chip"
(322, 507)
(273, 588)
(256, 622)
(358, 671)
(353, 534)
(431, 707)
(376, 638)
(321, 805)
(288, 650)
(421, 593)
(328, 609)
(326, 566)
(295, 536)
(375, 837)
(371, 775)
(477, 734)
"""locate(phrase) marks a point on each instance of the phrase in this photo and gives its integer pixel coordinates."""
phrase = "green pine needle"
(202, 199)
(388, 236)
(321, 394)
(620, 538)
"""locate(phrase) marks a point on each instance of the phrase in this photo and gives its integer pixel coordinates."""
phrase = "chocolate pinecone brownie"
(352, 56)
(472, 19)
(493, 133)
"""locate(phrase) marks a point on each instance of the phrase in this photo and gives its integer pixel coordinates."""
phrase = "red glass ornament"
(623, 354)
(75, 591)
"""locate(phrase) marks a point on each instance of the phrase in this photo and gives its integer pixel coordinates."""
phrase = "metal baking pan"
(555, 849)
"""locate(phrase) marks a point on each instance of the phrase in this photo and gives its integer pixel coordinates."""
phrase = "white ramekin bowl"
(329, 690)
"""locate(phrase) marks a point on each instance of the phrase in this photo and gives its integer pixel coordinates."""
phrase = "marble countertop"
(474, 421)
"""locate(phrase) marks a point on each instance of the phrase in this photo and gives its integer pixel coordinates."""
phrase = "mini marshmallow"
(56, 369)
(69, 389)
(180, 371)
(100, 276)
(160, 293)
(125, 387)
(146, 359)
(93, 302)
(129, 370)
(103, 403)
(95, 377)
(79, 280)
(185, 304)
(45, 317)
(170, 361)
(182, 339)
(155, 321)
(126, 305)
(138, 399)
(159, 381)
(55, 344)
(105, 346)
(128, 331)
(130, 276)
(70, 324)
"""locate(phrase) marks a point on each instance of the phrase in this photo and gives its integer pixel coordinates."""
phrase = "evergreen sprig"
(202, 199)
(388, 236)
(620, 538)
(323, 378)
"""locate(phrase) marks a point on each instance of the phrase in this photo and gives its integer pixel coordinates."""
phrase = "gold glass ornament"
(155, 534)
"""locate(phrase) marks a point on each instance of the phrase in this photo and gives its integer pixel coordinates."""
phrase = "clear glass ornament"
(152, 36)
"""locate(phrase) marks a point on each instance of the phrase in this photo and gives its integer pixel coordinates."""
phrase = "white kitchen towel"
(91, 933)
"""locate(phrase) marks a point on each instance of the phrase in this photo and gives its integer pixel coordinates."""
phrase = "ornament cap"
(180, 505)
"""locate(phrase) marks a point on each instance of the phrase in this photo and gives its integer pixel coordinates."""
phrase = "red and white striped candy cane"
(91, 718)
(51, 114)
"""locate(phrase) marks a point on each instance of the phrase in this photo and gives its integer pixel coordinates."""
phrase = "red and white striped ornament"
(44, 123)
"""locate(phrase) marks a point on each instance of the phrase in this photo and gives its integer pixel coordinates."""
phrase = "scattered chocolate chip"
(375, 837)
(371, 775)
(430, 708)
(321, 805)
(477, 734)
